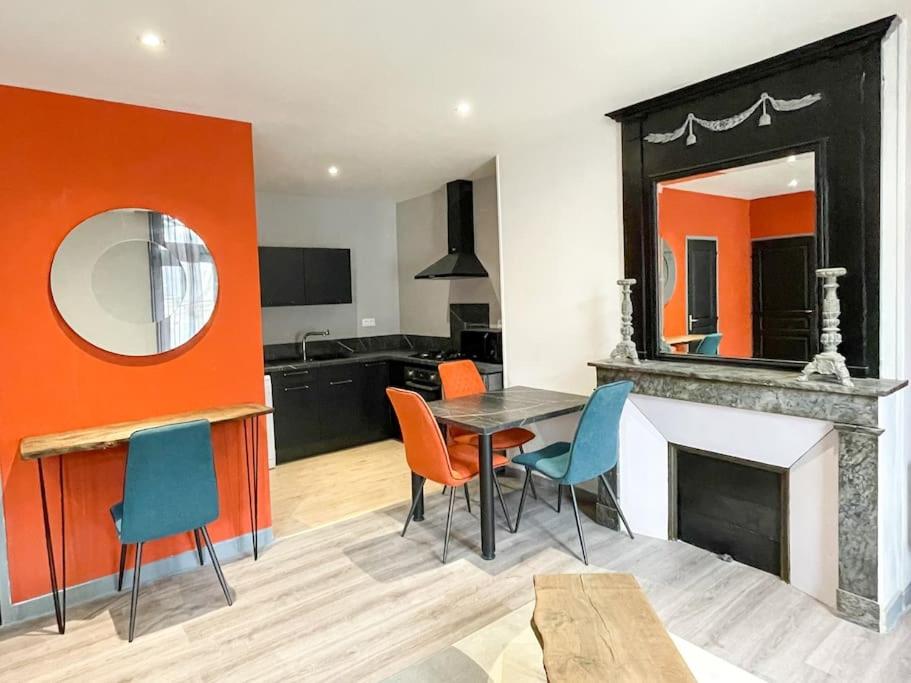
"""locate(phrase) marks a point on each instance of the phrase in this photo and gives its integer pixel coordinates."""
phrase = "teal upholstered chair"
(594, 451)
(169, 488)
(709, 345)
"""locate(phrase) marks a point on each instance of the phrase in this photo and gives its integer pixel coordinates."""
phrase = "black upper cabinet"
(281, 276)
(304, 277)
(327, 276)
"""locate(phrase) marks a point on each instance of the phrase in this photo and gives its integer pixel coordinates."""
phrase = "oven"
(424, 381)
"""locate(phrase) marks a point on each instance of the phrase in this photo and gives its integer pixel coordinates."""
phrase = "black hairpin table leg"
(251, 458)
(59, 600)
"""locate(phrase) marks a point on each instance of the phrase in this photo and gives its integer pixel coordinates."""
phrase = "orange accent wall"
(64, 159)
(785, 215)
(682, 214)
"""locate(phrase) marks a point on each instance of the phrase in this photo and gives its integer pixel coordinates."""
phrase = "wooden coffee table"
(601, 627)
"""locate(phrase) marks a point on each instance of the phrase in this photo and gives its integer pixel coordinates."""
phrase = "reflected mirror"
(743, 244)
(134, 282)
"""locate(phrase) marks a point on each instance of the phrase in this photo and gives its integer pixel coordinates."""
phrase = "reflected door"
(702, 285)
(784, 298)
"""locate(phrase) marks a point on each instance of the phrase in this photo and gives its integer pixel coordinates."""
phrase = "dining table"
(486, 414)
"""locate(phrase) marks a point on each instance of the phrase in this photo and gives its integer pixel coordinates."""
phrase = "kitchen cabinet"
(327, 276)
(375, 406)
(293, 276)
(281, 276)
(295, 395)
(341, 421)
(331, 407)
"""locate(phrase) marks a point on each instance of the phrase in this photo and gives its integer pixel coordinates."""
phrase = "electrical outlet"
(368, 322)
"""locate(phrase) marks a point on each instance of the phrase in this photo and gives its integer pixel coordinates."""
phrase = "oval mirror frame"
(668, 272)
(134, 282)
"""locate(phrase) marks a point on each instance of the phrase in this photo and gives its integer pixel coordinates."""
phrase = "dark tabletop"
(504, 409)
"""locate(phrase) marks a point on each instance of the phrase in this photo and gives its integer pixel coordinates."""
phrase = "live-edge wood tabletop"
(111, 435)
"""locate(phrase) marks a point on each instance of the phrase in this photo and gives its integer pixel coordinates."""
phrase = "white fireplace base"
(807, 448)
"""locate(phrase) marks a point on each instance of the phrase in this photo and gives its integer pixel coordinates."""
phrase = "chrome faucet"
(314, 333)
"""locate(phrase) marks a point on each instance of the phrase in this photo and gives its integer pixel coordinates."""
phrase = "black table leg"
(251, 458)
(417, 489)
(485, 465)
(59, 600)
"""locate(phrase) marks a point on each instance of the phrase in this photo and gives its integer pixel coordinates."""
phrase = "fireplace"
(729, 506)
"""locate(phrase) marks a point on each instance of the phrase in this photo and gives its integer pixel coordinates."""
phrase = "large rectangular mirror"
(737, 255)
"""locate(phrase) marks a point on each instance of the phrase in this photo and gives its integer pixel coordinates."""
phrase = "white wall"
(422, 239)
(560, 244)
(421, 231)
(367, 227)
(561, 236)
(895, 323)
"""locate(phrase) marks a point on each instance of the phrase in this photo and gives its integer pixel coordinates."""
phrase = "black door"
(784, 298)
(702, 286)
(327, 276)
(297, 421)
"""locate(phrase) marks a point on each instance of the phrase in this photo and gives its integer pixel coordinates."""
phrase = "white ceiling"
(766, 179)
(371, 85)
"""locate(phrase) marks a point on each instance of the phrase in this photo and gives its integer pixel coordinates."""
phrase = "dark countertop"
(495, 411)
(772, 378)
(399, 356)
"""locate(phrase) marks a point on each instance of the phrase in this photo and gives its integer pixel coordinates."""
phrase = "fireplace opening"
(730, 507)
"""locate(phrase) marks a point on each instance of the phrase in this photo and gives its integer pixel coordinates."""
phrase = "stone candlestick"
(829, 362)
(626, 349)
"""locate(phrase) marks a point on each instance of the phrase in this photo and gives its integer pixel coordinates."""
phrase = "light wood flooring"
(323, 489)
(353, 601)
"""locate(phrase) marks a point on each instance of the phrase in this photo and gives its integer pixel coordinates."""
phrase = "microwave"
(483, 344)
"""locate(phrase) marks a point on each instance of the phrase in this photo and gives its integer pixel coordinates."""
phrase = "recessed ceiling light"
(463, 108)
(150, 39)
(333, 171)
(792, 158)
(793, 183)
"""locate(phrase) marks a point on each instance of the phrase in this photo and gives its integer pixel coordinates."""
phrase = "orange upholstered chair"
(461, 378)
(429, 456)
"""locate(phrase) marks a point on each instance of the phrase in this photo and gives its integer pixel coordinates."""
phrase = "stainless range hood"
(461, 261)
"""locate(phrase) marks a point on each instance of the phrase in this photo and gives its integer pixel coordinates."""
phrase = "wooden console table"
(101, 437)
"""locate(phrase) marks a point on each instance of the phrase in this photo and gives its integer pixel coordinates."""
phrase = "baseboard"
(858, 609)
(896, 609)
(227, 551)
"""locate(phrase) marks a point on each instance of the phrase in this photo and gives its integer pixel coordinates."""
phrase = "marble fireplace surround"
(854, 413)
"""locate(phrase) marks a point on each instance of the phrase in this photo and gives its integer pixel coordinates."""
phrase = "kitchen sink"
(327, 356)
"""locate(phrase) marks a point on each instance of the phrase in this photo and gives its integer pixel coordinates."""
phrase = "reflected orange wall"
(65, 159)
(683, 214)
(735, 222)
(785, 215)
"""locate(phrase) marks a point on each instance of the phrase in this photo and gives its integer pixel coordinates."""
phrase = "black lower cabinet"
(328, 408)
(295, 396)
(341, 419)
(375, 406)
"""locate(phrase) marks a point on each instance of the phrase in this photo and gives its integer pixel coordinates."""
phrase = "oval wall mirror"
(668, 274)
(134, 282)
